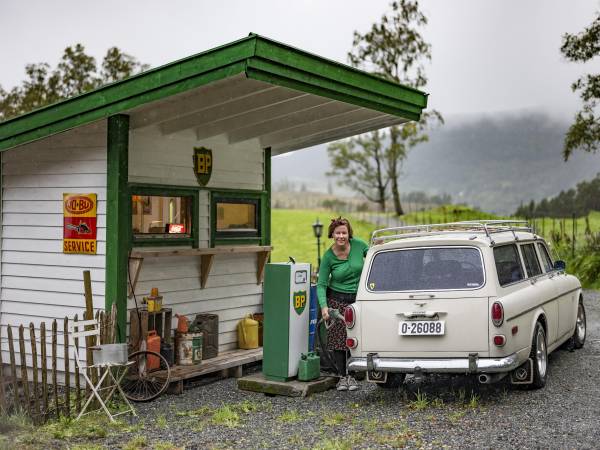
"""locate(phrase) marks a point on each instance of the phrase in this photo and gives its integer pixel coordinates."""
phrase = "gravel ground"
(437, 412)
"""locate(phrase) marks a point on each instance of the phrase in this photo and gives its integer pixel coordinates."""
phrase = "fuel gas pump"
(286, 308)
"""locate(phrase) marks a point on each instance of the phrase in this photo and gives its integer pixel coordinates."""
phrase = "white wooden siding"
(158, 159)
(39, 283)
(231, 290)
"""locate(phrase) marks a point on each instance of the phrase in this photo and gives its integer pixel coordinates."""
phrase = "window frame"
(519, 260)
(166, 191)
(537, 257)
(238, 238)
(483, 268)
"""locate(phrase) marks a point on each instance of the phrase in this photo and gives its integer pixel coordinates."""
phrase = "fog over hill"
(493, 163)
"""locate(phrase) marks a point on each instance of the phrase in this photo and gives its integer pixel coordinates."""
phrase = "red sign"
(79, 223)
(176, 228)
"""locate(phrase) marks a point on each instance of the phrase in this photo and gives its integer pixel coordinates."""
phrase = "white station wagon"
(480, 298)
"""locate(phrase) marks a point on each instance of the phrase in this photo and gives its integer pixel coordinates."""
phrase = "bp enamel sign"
(203, 163)
(299, 301)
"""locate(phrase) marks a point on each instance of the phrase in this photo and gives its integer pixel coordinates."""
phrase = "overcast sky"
(488, 55)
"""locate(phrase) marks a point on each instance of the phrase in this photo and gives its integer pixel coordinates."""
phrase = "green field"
(292, 234)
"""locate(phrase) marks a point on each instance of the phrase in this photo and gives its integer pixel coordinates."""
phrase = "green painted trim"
(118, 219)
(170, 191)
(266, 199)
(241, 194)
(257, 57)
(285, 55)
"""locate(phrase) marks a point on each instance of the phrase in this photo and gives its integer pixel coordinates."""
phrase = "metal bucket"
(110, 354)
(188, 348)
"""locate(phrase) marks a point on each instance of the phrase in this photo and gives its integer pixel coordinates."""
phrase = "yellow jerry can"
(247, 331)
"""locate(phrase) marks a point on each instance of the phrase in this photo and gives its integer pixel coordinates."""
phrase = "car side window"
(546, 260)
(508, 264)
(532, 265)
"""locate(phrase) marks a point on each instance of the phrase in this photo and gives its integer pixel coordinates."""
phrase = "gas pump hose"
(334, 315)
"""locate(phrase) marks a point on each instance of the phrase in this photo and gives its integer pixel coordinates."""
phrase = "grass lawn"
(292, 233)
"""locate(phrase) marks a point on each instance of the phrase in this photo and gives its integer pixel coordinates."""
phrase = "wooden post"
(77, 384)
(44, 368)
(89, 314)
(67, 368)
(36, 400)
(3, 400)
(24, 377)
(13, 366)
(54, 380)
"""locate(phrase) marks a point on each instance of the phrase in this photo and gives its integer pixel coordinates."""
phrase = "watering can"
(247, 331)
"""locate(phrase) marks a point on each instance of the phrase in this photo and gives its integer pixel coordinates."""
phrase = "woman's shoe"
(352, 383)
(342, 384)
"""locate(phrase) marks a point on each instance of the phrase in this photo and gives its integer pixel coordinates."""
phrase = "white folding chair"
(82, 329)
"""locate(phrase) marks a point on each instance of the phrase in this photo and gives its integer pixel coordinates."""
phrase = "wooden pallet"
(228, 363)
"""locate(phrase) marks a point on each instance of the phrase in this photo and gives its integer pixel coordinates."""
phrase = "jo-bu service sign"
(80, 220)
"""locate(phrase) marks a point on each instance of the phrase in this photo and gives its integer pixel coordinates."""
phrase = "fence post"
(67, 368)
(44, 368)
(54, 381)
(573, 235)
(77, 384)
(3, 400)
(24, 378)
(36, 400)
(13, 366)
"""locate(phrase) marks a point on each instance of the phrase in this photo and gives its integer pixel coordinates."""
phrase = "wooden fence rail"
(30, 387)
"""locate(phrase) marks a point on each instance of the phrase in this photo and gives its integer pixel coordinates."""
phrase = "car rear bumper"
(471, 364)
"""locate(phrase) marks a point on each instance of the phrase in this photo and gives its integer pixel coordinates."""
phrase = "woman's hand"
(325, 312)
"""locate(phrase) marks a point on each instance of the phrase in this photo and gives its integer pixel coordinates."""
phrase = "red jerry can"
(153, 345)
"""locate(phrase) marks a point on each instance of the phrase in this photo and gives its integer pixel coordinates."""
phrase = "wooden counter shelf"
(206, 259)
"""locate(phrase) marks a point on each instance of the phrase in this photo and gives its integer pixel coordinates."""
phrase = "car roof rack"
(487, 227)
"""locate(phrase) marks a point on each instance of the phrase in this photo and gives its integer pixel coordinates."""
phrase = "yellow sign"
(79, 223)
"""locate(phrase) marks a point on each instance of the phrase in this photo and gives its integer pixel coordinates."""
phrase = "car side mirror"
(560, 265)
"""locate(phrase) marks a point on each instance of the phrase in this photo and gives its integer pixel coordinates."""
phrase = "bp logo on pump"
(299, 299)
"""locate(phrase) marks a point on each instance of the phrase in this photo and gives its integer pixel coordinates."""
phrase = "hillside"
(492, 163)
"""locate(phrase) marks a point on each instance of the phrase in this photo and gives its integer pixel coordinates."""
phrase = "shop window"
(237, 218)
(161, 217)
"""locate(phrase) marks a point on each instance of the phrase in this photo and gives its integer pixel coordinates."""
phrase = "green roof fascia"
(260, 58)
(291, 57)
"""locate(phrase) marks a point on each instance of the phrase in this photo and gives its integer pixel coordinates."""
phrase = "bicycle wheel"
(147, 376)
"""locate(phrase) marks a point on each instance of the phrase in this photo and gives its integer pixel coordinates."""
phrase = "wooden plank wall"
(39, 282)
(231, 291)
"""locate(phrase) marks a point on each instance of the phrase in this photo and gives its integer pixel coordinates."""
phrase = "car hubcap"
(580, 323)
(540, 353)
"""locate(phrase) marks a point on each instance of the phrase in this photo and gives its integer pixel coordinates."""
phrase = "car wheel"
(539, 356)
(580, 327)
(393, 381)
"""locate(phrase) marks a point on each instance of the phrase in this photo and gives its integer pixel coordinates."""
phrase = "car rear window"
(431, 269)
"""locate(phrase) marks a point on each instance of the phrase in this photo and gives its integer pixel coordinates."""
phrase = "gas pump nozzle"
(334, 314)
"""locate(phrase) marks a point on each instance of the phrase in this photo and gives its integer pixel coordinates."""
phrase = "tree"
(584, 133)
(395, 50)
(75, 74)
(360, 164)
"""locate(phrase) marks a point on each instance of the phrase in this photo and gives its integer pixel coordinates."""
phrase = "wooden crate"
(159, 321)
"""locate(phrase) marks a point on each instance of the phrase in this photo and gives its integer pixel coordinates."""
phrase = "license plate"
(421, 328)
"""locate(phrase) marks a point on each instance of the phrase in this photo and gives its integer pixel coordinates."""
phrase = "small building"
(179, 158)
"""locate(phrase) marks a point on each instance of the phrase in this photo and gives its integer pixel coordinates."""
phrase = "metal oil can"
(309, 367)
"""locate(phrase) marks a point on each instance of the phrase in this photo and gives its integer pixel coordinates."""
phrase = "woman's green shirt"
(341, 275)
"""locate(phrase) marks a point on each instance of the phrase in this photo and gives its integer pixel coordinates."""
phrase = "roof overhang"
(248, 89)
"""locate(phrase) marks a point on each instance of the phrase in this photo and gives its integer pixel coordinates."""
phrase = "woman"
(339, 275)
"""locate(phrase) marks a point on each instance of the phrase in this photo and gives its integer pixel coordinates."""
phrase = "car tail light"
(351, 342)
(497, 314)
(499, 340)
(349, 316)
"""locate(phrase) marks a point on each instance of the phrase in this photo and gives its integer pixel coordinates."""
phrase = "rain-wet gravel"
(436, 412)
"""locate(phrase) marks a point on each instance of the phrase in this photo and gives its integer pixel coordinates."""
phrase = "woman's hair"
(336, 222)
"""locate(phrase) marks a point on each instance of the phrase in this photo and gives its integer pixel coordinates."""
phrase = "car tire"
(539, 356)
(394, 381)
(580, 327)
